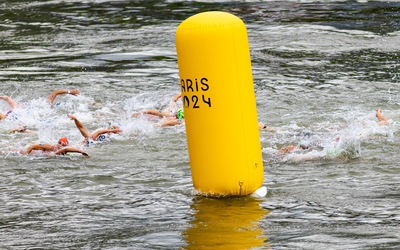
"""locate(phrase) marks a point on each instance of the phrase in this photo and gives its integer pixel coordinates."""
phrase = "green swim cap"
(180, 114)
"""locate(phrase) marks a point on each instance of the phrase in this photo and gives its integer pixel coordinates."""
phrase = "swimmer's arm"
(285, 149)
(262, 126)
(382, 120)
(53, 95)
(173, 102)
(44, 147)
(22, 130)
(104, 131)
(10, 101)
(30, 131)
(65, 150)
(172, 122)
(15, 130)
(96, 104)
(176, 97)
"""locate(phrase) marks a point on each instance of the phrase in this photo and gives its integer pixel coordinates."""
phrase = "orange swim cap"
(65, 140)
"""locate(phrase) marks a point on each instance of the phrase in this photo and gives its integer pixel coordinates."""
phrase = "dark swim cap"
(180, 114)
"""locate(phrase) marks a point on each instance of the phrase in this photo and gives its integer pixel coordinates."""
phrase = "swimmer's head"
(180, 115)
(304, 144)
(114, 125)
(63, 141)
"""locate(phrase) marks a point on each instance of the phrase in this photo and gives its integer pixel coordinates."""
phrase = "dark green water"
(317, 68)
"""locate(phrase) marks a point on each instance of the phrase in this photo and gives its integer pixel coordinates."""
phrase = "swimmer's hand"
(86, 154)
(75, 92)
(71, 117)
(109, 131)
(51, 155)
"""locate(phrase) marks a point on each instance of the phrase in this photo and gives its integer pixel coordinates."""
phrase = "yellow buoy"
(219, 104)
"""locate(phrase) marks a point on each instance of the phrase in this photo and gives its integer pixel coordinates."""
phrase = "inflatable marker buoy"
(219, 104)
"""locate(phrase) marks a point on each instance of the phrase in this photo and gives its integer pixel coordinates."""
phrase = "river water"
(320, 71)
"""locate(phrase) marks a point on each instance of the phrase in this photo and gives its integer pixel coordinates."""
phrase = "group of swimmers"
(62, 145)
(304, 144)
(171, 116)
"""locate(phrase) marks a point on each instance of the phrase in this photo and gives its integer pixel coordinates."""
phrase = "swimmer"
(361, 123)
(383, 120)
(53, 95)
(96, 104)
(69, 150)
(59, 148)
(262, 126)
(50, 99)
(178, 118)
(166, 113)
(96, 136)
(12, 103)
(21, 129)
(63, 142)
(302, 145)
(173, 118)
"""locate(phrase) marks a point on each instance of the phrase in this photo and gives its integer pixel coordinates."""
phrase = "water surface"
(320, 71)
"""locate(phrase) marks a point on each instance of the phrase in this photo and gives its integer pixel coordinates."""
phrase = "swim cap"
(303, 144)
(65, 140)
(101, 138)
(180, 114)
(114, 124)
(89, 142)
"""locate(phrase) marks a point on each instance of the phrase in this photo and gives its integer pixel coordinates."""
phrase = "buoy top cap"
(211, 19)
